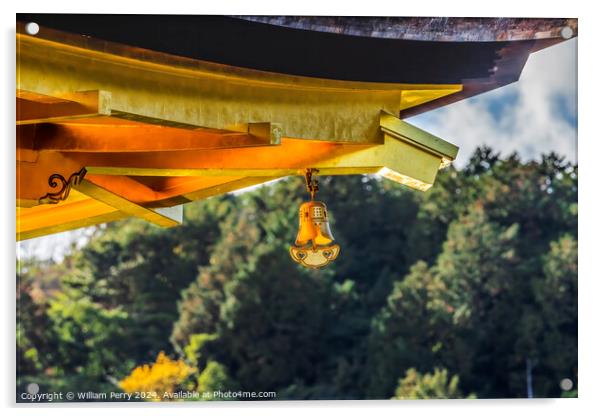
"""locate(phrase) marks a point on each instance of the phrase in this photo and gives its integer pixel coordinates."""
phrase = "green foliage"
(214, 378)
(473, 278)
(429, 386)
(36, 343)
(556, 297)
(478, 310)
(557, 291)
(87, 335)
(194, 350)
(264, 308)
(143, 269)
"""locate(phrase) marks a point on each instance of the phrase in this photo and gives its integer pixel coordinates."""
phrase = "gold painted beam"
(35, 108)
(228, 186)
(106, 134)
(81, 210)
(153, 192)
(158, 86)
(162, 218)
(78, 211)
(32, 183)
(410, 156)
(394, 127)
(34, 178)
(272, 132)
(183, 129)
(56, 227)
(413, 97)
(25, 143)
(179, 65)
(291, 158)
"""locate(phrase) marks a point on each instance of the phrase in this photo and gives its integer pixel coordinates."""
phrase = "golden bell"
(314, 228)
(313, 225)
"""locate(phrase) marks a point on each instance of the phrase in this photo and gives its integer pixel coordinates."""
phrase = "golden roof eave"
(154, 131)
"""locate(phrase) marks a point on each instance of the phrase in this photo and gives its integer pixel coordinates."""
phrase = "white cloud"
(535, 114)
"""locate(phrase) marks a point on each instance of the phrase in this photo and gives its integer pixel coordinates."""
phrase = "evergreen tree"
(477, 276)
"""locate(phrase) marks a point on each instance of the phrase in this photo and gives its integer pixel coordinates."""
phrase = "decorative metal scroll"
(55, 180)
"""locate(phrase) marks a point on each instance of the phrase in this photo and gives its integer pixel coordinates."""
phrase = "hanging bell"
(313, 224)
(313, 246)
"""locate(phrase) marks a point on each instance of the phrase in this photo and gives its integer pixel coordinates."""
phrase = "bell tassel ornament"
(314, 246)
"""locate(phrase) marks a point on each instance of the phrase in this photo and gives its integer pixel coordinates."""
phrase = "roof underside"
(138, 114)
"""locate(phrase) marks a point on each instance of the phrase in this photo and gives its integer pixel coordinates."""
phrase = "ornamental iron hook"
(57, 179)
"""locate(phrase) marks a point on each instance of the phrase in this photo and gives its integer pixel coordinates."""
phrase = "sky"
(535, 115)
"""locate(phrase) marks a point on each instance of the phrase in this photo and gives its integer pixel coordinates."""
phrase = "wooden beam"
(154, 192)
(107, 134)
(78, 211)
(162, 218)
(32, 183)
(81, 210)
(269, 132)
(291, 158)
(74, 196)
(229, 186)
(35, 108)
(34, 178)
(214, 96)
(85, 221)
(410, 156)
(404, 131)
(414, 97)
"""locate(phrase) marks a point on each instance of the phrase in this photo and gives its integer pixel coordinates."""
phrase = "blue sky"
(537, 114)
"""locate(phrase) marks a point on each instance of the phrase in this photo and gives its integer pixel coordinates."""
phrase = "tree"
(214, 378)
(87, 335)
(158, 380)
(142, 269)
(556, 296)
(476, 276)
(36, 343)
(437, 385)
(267, 312)
(447, 314)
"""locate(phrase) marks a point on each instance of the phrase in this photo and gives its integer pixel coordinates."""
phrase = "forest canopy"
(466, 290)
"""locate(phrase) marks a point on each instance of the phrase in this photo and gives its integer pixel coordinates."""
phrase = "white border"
(590, 149)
